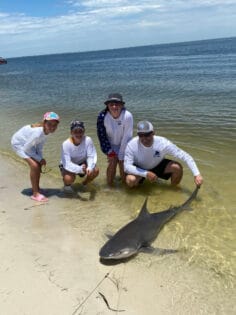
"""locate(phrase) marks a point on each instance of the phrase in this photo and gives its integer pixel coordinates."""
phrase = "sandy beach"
(50, 263)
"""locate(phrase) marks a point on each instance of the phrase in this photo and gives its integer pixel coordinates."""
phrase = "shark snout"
(117, 254)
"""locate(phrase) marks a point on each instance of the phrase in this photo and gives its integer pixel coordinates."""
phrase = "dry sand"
(50, 263)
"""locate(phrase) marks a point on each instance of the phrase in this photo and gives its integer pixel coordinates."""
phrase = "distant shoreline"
(128, 48)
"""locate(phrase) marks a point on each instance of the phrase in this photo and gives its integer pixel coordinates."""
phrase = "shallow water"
(200, 276)
(189, 94)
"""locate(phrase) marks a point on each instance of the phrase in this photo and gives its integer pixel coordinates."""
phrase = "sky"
(40, 27)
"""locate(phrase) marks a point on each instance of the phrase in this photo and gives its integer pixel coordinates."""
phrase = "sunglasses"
(77, 131)
(148, 134)
(115, 103)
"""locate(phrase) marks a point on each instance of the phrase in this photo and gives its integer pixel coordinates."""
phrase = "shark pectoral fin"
(164, 251)
(109, 236)
(157, 251)
(189, 209)
(147, 249)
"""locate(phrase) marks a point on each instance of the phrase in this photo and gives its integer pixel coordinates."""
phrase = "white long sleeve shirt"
(119, 131)
(72, 155)
(139, 159)
(28, 142)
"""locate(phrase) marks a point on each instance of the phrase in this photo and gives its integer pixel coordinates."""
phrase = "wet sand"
(50, 263)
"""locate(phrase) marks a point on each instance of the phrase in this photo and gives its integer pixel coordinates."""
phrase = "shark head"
(117, 253)
(126, 242)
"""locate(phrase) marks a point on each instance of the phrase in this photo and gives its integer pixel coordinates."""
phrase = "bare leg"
(132, 180)
(122, 172)
(176, 171)
(111, 170)
(68, 177)
(90, 177)
(35, 171)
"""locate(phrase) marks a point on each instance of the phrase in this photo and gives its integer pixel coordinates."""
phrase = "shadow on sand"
(83, 195)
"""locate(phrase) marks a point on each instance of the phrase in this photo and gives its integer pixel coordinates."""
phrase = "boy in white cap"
(28, 144)
(114, 130)
(145, 158)
(78, 157)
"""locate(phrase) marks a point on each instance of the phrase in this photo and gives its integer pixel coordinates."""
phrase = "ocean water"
(187, 90)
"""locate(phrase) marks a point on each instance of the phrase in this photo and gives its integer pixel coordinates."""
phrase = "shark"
(137, 235)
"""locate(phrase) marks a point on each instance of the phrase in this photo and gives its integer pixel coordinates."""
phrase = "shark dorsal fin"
(144, 211)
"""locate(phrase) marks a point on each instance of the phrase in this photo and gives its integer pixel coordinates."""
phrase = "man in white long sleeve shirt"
(78, 157)
(145, 158)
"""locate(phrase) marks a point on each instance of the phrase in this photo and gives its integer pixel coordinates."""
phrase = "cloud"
(95, 12)
(118, 23)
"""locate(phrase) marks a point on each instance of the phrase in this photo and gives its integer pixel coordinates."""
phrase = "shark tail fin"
(186, 205)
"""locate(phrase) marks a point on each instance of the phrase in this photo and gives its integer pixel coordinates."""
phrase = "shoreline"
(50, 263)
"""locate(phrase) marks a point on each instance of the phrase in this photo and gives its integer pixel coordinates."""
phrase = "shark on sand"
(137, 235)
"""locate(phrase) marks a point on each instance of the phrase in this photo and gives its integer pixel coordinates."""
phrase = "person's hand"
(88, 172)
(198, 180)
(152, 177)
(83, 166)
(43, 162)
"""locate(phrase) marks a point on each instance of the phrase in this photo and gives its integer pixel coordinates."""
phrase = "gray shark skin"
(138, 234)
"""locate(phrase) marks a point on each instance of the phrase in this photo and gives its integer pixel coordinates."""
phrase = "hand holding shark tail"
(198, 180)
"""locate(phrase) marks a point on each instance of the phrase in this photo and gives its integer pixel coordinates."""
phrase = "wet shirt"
(28, 142)
(72, 155)
(139, 159)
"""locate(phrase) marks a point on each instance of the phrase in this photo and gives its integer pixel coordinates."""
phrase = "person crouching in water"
(28, 143)
(145, 158)
(78, 157)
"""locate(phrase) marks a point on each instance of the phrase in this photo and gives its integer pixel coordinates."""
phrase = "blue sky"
(30, 27)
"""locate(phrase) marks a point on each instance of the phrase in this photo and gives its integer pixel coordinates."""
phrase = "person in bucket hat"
(28, 144)
(145, 158)
(114, 130)
(78, 157)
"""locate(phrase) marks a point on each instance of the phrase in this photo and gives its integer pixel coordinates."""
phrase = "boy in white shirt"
(78, 157)
(145, 158)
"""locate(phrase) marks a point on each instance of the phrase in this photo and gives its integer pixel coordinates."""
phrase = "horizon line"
(121, 48)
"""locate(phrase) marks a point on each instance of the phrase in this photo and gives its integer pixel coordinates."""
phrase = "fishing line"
(102, 295)
(45, 170)
(88, 296)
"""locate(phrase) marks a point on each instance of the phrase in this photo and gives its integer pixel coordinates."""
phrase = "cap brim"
(144, 131)
(77, 128)
(113, 100)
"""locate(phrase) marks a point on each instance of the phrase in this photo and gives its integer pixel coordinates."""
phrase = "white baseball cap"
(144, 127)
